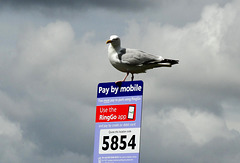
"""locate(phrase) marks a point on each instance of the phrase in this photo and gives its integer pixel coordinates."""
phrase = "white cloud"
(231, 114)
(9, 129)
(186, 136)
(43, 91)
(13, 146)
(201, 127)
(47, 44)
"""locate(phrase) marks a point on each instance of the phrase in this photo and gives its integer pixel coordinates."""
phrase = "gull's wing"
(137, 57)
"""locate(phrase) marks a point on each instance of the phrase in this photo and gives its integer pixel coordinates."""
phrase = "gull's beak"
(109, 41)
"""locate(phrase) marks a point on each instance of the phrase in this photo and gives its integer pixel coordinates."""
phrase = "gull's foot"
(119, 83)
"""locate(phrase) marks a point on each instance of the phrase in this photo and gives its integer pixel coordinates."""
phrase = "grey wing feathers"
(137, 57)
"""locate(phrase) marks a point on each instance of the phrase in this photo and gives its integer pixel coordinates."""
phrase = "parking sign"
(118, 122)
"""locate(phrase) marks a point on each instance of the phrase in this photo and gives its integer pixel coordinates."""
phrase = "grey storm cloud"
(115, 4)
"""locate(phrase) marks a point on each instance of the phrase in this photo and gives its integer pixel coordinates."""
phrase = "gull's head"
(115, 41)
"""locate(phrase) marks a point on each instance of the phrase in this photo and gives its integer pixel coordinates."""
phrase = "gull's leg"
(123, 79)
(132, 76)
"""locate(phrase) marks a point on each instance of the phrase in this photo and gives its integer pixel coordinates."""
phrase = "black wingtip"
(171, 61)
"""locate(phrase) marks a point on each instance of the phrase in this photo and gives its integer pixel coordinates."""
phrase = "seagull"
(133, 61)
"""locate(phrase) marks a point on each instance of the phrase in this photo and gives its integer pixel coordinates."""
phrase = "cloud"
(186, 136)
(13, 146)
(170, 12)
(16, 148)
(201, 127)
(39, 93)
(122, 5)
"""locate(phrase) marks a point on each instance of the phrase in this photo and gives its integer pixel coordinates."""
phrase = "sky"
(54, 53)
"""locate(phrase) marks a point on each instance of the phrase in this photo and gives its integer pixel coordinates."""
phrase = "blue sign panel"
(118, 122)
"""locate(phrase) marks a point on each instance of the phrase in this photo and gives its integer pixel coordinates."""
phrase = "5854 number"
(120, 142)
